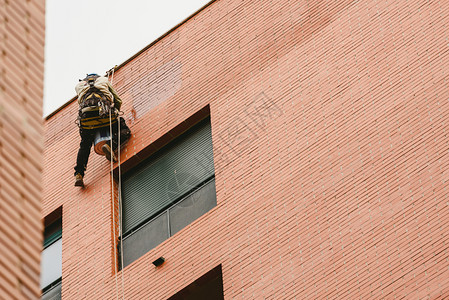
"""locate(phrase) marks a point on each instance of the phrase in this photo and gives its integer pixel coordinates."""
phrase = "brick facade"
(330, 150)
(22, 26)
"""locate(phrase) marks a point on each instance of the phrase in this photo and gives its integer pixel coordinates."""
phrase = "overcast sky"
(91, 36)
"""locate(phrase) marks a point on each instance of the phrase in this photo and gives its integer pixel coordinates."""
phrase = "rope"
(120, 207)
(113, 209)
(119, 198)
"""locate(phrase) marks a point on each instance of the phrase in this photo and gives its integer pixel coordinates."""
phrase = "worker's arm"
(81, 88)
(117, 100)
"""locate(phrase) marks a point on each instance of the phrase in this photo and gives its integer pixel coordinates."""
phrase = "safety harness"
(94, 108)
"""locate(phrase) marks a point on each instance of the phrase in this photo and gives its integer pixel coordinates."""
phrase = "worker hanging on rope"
(99, 105)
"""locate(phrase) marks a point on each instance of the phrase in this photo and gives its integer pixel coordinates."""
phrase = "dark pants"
(87, 139)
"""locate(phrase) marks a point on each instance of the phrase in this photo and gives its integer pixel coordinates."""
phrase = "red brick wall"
(329, 132)
(22, 25)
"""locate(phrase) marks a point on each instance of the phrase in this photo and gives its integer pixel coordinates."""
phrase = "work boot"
(79, 180)
(108, 153)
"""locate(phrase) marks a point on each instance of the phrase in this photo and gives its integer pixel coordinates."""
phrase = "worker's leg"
(87, 138)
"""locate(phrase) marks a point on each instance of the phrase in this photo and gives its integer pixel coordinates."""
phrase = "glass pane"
(51, 263)
(192, 207)
(146, 238)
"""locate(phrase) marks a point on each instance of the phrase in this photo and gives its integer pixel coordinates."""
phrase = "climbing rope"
(119, 198)
(120, 206)
(113, 209)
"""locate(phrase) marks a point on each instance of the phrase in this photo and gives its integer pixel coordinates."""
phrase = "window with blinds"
(168, 191)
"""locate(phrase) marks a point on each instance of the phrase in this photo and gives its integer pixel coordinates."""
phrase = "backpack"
(93, 96)
(95, 109)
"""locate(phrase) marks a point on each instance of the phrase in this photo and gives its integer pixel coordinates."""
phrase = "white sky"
(92, 36)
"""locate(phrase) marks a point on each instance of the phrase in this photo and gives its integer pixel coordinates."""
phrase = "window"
(208, 286)
(168, 191)
(51, 260)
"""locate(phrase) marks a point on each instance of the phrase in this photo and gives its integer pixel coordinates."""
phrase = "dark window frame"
(197, 120)
(151, 153)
